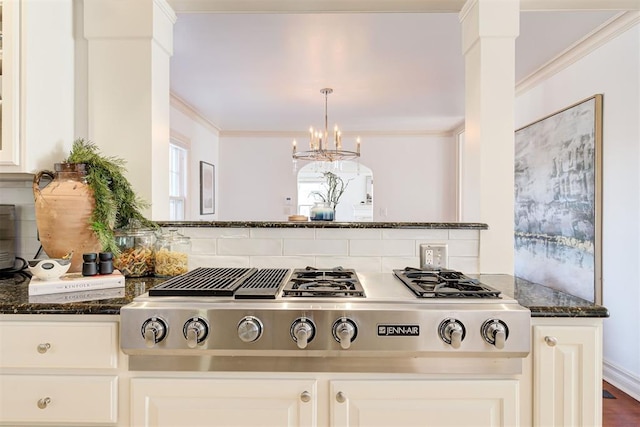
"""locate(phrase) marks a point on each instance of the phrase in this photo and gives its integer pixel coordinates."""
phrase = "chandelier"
(321, 148)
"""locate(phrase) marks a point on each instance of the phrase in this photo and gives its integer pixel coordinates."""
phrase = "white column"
(129, 43)
(489, 29)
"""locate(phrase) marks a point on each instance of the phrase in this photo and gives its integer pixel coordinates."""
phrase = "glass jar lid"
(134, 229)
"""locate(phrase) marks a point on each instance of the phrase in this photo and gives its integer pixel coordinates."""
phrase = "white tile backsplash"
(249, 246)
(282, 233)
(382, 248)
(415, 233)
(348, 233)
(20, 194)
(282, 261)
(359, 264)
(464, 234)
(463, 248)
(316, 247)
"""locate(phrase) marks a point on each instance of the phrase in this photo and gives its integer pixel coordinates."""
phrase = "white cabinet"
(9, 84)
(164, 402)
(424, 403)
(567, 372)
(322, 401)
(58, 371)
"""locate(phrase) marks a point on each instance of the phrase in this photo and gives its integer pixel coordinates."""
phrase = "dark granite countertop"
(15, 299)
(324, 224)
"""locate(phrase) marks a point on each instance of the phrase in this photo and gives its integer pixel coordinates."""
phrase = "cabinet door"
(164, 402)
(424, 403)
(567, 371)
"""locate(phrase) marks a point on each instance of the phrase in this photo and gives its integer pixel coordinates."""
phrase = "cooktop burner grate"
(312, 282)
(264, 284)
(204, 282)
(443, 283)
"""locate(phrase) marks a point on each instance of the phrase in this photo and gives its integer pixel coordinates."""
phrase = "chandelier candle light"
(320, 149)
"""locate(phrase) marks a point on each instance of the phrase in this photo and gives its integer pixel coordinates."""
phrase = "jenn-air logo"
(398, 330)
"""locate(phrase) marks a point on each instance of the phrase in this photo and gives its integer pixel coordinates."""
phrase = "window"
(177, 181)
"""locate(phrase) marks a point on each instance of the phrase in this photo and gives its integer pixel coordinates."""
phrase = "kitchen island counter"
(15, 299)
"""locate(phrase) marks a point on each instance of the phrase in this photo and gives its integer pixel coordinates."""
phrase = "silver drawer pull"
(44, 402)
(43, 348)
(305, 396)
(551, 341)
(340, 397)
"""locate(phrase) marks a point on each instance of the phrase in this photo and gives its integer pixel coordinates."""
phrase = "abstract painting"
(558, 200)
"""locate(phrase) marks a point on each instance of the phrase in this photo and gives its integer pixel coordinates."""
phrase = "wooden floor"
(623, 411)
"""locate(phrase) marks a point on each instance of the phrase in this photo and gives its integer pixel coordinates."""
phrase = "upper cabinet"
(40, 67)
(10, 84)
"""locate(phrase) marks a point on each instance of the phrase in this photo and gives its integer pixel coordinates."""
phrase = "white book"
(78, 296)
(75, 282)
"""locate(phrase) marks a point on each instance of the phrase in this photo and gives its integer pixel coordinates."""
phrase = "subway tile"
(467, 265)
(316, 247)
(381, 248)
(282, 261)
(26, 212)
(463, 248)
(464, 234)
(26, 229)
(215, 233)
(415, 233)
(359, 264)
(348, 233)
(249, 246)
(280, 233)
(217, 261)
(203, 246)
(398, 263)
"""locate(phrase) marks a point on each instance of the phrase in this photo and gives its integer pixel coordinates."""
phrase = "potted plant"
(334, 188)
(116, 203)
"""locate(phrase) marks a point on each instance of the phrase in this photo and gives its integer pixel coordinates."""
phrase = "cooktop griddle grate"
(204, 282)
(265, 284)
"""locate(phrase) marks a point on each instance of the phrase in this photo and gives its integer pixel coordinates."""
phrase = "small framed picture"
(207, 188)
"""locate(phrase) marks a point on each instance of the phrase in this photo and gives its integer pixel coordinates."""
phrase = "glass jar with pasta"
(172, 254)
(137, 246)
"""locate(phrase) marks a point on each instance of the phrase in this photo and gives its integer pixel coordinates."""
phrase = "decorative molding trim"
(302, 134)
(167, 10)
(182, 106)
(180, 139)
(622, 379)
(598, 37)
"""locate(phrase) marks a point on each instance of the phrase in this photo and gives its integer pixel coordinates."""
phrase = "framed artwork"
(207, 188)
(558, 200)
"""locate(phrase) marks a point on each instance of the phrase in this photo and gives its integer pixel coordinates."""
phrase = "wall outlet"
(433, 255)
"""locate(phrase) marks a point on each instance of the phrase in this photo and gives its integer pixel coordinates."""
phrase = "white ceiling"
(389, 71)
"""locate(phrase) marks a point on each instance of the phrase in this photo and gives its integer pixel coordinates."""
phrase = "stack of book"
(75, 282)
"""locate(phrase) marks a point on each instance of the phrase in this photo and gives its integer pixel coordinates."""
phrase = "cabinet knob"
(340, 397)
(44, 347)
(44, 402)
(551, 341)
(305, 396)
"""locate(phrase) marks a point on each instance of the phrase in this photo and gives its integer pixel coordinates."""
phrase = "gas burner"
(312, 282)
(443, 283)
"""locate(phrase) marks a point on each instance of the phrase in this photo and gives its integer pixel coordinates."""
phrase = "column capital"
(489, 18)
(130, 19)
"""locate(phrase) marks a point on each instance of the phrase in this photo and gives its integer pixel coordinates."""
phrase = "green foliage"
(116, 202)
(334, 187)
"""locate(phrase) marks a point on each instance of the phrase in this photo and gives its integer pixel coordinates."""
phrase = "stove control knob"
(302, 331)
(195, 330)
(344, 331)
(452, 332)
(154, 330)
(495, 332)
(249, 329)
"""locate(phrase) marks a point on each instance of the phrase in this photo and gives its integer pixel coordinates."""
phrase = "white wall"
(414, 177)
(614, 71)
(203, 146)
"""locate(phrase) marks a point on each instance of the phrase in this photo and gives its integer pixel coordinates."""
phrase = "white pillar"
(129, 43)
(489, 29)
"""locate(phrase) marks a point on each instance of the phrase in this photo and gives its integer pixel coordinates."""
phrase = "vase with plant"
(334, 187)
(88, 198)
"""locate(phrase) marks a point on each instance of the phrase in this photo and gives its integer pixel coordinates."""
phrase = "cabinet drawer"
(72, 399)
(59, 345)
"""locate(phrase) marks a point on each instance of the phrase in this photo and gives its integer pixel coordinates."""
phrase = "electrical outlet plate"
(433, 255)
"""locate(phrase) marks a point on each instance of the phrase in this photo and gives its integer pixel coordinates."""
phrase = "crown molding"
(598, 37)
(350, 134)
(182, 106)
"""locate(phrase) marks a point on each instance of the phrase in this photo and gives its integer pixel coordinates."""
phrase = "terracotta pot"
(63, 213)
